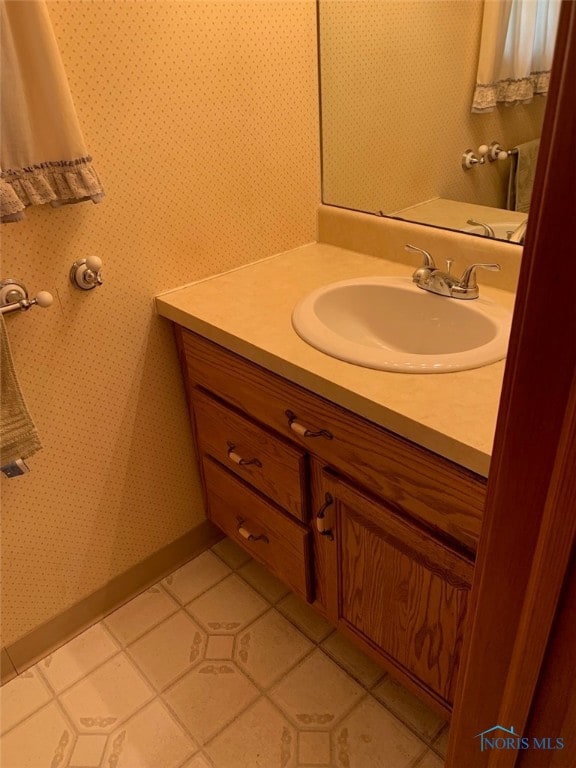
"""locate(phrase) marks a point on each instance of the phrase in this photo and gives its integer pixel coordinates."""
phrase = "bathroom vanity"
(367, 506)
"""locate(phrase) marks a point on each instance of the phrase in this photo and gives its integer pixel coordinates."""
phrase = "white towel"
(43, 157)
(18, 436)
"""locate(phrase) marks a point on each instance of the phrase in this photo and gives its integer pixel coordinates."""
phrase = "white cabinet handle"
(245, 533)
(303, 431)
(237, 459)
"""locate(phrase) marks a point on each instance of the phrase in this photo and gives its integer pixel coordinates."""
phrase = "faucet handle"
(468, 279)
(467, 287)
(429, 262)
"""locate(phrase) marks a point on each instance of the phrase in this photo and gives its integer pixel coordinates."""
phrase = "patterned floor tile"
(316, 693)
(228, 607)
(169, 649)
(149, 739)
(106, 697)
(219, 647)
(88, 751)
(372, 736)
(314, 748)
(140, 614)
(44, 739)
(196, 577)
(212, 660)
(21, 697)
(269, 648)
(78, 657)
(260, 738)
(209, 697)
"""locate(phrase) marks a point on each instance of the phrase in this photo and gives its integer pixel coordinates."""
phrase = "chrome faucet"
(487, 230)
(518, 234)
(429, 278)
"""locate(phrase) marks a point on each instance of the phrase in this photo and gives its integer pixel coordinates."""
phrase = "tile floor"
(217, 666)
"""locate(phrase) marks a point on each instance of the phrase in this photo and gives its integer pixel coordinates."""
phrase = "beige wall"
(397, 83)
(202, 120)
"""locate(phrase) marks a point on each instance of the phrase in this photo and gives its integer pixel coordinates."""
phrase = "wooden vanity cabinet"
(376, 532)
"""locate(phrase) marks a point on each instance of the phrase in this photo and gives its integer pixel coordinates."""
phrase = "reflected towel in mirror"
(522, 171)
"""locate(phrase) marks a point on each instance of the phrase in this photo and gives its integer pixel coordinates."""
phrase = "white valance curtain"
(516, 51)
(43, 158)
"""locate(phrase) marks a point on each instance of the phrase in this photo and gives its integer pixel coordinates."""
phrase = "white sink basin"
(390, 324)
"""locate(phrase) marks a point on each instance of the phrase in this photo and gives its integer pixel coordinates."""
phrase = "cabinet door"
(400, 590)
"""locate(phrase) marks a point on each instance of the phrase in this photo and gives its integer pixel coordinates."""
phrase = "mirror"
(397, 78)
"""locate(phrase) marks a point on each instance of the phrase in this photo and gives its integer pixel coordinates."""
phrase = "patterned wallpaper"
(202, 119)
(388, 142)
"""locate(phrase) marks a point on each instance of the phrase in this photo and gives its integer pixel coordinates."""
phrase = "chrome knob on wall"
(85, 273)
(470, 159)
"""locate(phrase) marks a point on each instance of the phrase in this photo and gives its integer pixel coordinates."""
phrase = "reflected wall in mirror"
(397, 79)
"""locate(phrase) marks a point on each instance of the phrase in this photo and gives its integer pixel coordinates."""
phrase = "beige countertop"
(248, 311)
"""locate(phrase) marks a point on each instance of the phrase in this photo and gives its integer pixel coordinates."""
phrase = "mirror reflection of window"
(516, 51)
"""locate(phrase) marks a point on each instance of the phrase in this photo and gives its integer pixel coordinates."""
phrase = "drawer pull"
(245, 533)
(321, 518)
(237, 459)
(303, 431)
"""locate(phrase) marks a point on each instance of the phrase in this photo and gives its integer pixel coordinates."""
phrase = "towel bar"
(496, 152)
(14, 296)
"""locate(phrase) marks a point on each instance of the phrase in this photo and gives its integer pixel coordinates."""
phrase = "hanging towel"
(43, 158)
(521, 179)
(18, 436)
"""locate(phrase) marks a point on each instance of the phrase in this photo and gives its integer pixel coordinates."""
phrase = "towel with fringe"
(43, 158)
(18, 436)
(521, 179)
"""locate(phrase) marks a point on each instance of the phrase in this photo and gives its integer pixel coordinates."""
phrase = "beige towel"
(43, 157)
(521, 178)
(18, 437)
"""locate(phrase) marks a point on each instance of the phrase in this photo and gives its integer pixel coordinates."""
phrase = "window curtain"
(43, 158)
(516, 50)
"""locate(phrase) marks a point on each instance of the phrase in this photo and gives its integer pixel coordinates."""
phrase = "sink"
(390, 324)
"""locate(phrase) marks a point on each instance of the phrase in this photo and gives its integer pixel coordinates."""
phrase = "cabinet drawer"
(271, 537)
(267, 462)
(432, 489)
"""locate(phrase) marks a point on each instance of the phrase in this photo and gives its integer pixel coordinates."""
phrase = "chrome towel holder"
(14, 296)
(492, 153)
